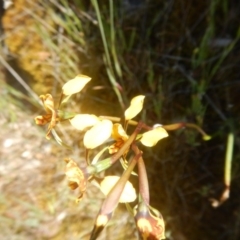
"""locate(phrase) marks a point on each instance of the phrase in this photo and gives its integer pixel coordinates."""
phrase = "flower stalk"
(98, 130)
(142, 177)
(112, 199)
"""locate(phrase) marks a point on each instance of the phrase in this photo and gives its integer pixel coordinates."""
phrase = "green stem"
(87, 156)
(113, 44)
(108, 61)
(228, 159)
(176, 126)
(102, 165)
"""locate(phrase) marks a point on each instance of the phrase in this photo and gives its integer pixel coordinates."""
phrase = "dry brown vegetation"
(183, 55)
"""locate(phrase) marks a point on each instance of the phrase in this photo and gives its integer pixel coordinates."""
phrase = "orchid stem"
(142, 176)
(113, 196)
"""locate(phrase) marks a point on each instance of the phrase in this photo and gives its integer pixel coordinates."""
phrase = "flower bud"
(149, 226)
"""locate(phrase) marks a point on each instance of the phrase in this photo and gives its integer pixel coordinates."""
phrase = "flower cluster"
(110, 136)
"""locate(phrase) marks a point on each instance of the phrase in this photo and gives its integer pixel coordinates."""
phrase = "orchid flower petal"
(98, 134)
(75, 85)
(151, 137)
(135, 107)
(82, 121)
(128, 194)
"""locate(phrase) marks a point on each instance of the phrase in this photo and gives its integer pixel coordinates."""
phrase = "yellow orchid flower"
(51, 117)
(76, 177)
(120, 136)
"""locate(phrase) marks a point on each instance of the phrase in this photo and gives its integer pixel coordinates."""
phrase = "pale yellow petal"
(151, 137)
(98, 134)
(75, 85)
(82, 121)
(135, 107)
(128, 194)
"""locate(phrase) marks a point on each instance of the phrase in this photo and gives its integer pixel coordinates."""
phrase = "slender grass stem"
(107, 59)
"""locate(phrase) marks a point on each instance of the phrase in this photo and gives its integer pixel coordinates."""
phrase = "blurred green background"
(184, 56)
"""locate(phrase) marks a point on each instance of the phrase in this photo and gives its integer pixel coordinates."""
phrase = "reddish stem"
(142, 177)
(114, 195)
